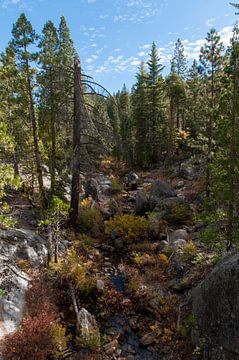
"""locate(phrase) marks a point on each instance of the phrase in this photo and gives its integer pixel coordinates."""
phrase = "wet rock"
(141, 203)
(147, 339)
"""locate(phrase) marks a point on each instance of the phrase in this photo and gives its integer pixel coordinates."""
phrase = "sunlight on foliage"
(128, 226)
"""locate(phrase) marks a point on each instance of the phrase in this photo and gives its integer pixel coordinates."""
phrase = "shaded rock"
(147, 339)
(111, 347)
(216, 310)
(186, 171)
(91, 187)
(141, 203)
(162, 189)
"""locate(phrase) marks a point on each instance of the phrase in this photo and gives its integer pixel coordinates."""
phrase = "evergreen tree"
(140, 117)
(49, 98)
(126, 130)
(211, 61)
(156, 120)
(179, 61)
(24, 37)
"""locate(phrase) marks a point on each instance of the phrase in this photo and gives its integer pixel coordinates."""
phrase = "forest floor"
(138, 290)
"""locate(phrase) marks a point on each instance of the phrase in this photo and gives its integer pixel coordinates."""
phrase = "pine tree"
(140, 117)
(179, 61)
(23, 37)
(66, 55)
(49, 98)
(126, 130)
(225, 165)
(211, 61)
(156, 124)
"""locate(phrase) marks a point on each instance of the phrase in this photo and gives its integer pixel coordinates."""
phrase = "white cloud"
(146, 46)
(210, 22)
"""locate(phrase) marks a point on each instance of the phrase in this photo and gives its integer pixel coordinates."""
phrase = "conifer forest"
(119, 211)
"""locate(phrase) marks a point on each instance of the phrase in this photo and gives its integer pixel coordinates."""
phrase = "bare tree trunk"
(79, 113)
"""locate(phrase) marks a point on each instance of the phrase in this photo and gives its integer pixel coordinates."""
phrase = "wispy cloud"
(119, 64)
(210, 22)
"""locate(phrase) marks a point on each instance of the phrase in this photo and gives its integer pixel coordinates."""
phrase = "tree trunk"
(79, 112)
(34, 134)
(53, 141)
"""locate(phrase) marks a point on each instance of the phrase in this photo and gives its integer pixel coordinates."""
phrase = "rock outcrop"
(216, 311)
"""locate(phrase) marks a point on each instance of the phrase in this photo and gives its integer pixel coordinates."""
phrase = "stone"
(180, 184)
(86, 324)
(215, 304)
(147, 339)
(17, 245)
(178, 244)
(91, 187)
(132, 180)
(178, 234)
(161, 189)
(141, 203)
(111, 347)
(100, 285)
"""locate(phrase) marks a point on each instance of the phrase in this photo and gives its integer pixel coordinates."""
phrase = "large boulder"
(91, 187)
(18, 246)
(216, 311)
(160, 190)
(141, 203)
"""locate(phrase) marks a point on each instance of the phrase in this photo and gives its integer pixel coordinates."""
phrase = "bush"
(128, 226)
(90, 218)
(32, 340)
(74, 268)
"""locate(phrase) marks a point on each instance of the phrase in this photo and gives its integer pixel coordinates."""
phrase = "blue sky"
(113, 36)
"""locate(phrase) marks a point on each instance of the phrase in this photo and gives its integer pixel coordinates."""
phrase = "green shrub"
(128, 226)
(90, 218)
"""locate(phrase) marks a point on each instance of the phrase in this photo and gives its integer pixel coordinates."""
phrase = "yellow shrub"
(128, 226)
(59, 340)
(163, 259)
(189, 250)
(90, 218)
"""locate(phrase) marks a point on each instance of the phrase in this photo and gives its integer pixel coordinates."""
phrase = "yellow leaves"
(86, 203)
(183, 134)
(163, 259)
(144, 259)
(128, 226)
